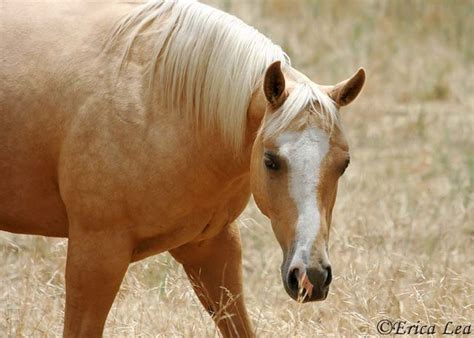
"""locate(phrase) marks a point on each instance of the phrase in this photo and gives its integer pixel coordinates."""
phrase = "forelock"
(305, 97)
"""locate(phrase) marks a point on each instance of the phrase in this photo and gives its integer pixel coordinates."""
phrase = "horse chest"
(199, 224)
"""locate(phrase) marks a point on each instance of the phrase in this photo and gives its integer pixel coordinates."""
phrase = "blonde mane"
(306, 96)
(205, 63)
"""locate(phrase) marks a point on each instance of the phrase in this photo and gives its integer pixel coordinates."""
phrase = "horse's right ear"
(274, 85)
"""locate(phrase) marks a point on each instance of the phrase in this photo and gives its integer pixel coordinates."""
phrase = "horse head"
(298, 156)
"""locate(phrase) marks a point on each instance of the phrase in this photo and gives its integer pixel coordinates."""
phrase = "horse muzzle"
(306, 284)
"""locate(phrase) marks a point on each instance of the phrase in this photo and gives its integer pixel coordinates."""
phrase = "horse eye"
(271, 161)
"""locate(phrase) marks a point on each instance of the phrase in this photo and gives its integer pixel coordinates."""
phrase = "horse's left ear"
(346, 91)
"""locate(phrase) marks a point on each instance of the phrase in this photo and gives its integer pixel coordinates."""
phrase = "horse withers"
(138, 129)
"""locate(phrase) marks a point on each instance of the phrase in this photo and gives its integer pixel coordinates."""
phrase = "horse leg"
(214, 267)
(96, 264)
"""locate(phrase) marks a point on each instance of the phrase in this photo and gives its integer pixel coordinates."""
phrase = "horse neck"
(226, 160)
(255, 115)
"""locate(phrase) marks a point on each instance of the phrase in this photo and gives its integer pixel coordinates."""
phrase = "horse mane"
(306, 96)
(205, 63)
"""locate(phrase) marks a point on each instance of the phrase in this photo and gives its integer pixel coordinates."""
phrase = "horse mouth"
(306, 286)
(305, 295)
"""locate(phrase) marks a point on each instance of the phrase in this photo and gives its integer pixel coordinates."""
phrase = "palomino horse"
(138, 129)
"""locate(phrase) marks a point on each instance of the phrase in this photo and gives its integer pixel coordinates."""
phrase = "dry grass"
(402, 237)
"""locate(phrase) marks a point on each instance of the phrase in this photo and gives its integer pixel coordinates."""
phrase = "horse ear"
(346, 91)
(274, 85)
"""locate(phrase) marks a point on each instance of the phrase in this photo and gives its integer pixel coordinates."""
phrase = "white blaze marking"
(304, 151)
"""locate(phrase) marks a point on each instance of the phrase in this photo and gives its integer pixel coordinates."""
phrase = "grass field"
(402, 241)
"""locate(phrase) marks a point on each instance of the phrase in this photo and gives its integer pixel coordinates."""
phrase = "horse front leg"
(214, 267)
(96, 264)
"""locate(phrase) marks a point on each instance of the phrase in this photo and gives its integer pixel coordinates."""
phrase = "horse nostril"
(328, 276)
(293, 279)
